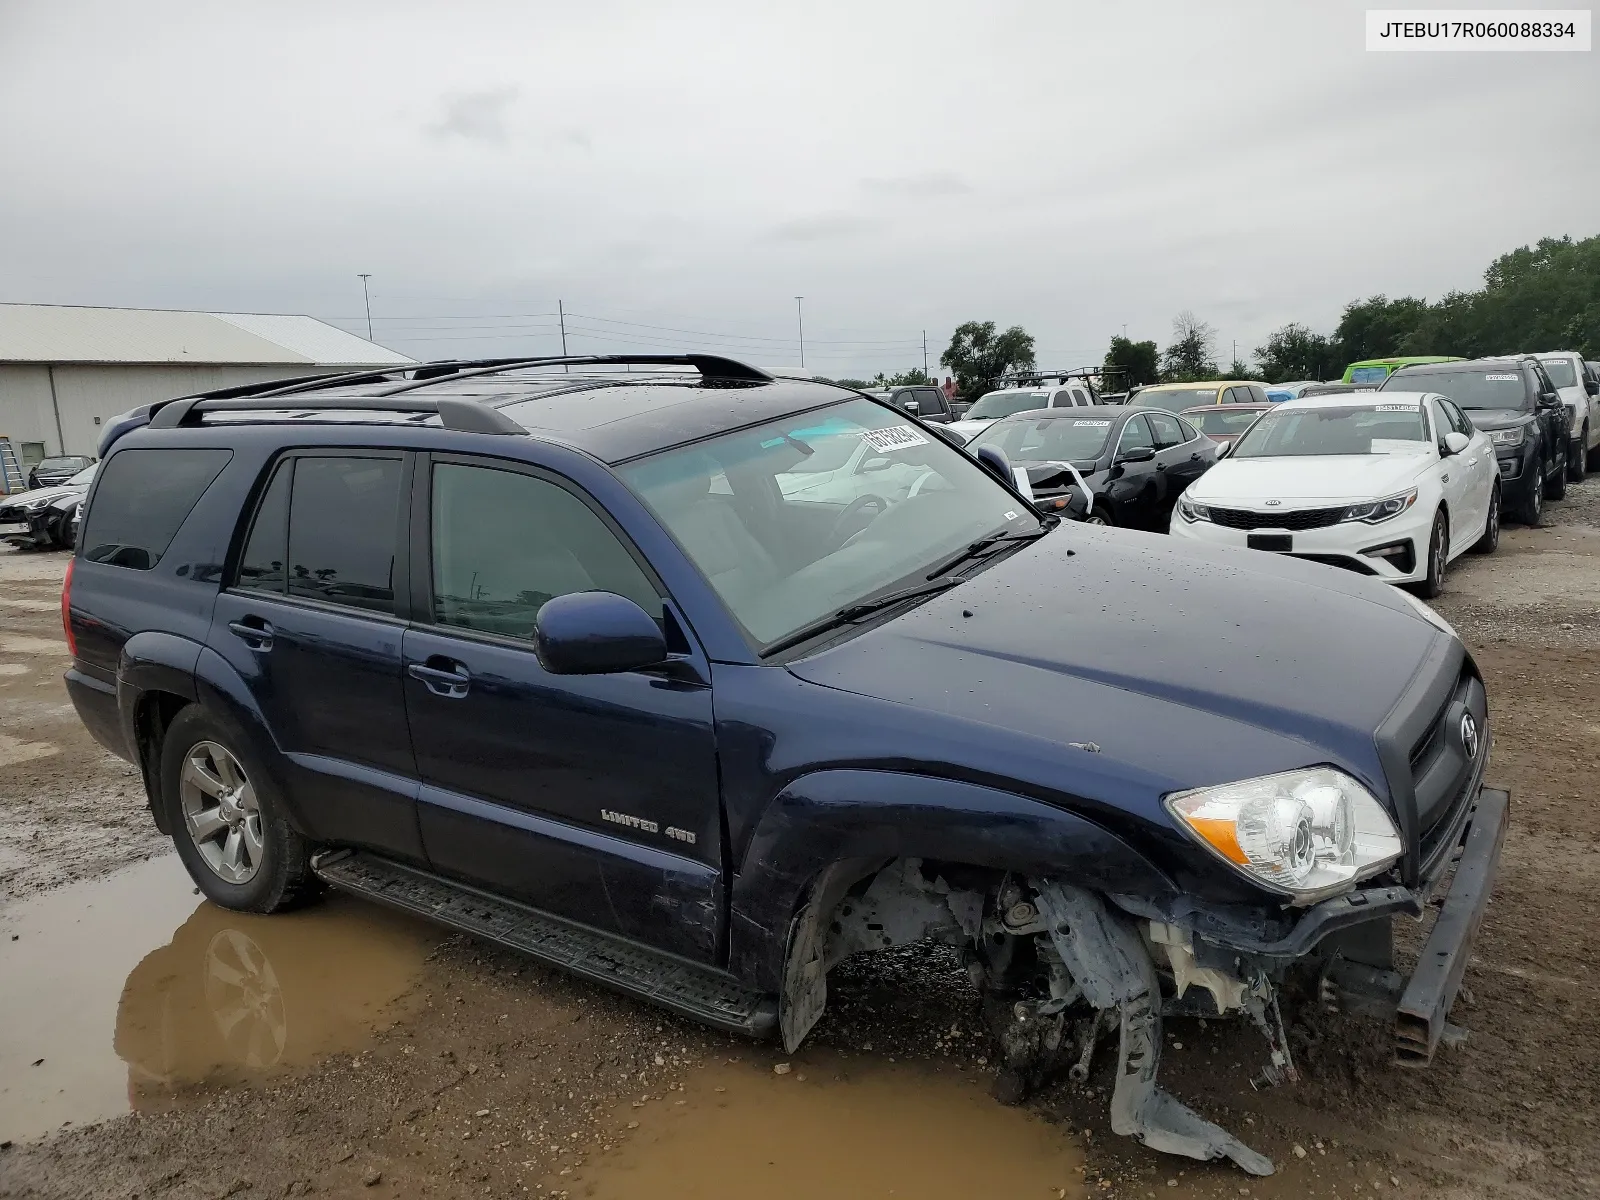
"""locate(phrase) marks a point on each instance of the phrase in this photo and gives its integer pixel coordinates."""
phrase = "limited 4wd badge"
(896, 437)
(646, 826)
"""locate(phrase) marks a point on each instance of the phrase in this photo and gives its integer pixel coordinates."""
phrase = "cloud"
(930, 183)
(475, 116)
(821, 227)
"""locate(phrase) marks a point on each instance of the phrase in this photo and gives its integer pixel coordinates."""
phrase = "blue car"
(557, 652)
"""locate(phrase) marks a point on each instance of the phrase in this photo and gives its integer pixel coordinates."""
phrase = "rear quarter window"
(141, 500)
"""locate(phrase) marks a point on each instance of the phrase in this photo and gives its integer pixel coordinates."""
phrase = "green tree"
(906, 378)
(1192, 354)
(1295, 352)
(978, 356)
(1131, 364)
(1376, 327)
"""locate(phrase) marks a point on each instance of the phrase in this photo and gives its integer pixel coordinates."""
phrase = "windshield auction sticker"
(896, 437)
(1422, 29)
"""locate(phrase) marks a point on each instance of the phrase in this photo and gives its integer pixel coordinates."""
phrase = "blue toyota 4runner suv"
(575, 655)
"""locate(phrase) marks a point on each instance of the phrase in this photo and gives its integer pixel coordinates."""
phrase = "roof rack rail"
(467, 416)
(1063, 376)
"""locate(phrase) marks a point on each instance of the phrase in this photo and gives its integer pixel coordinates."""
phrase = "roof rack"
(455, 412)
(1032, 377)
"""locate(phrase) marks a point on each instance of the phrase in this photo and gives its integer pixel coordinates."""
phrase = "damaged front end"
(1061, 967)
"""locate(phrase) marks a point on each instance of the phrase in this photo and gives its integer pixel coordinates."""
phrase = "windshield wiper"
(851, 613)
(984, 545)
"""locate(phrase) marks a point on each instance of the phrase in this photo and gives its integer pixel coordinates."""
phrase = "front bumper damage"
(1112, 955)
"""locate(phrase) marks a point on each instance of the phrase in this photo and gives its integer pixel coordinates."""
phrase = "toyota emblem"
(1469, 735)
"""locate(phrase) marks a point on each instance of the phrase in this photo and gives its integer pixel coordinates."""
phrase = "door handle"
(253, 632)
(450, 681)
(1444, 479)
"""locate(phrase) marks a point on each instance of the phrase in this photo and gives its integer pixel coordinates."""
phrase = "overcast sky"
(1072, 168)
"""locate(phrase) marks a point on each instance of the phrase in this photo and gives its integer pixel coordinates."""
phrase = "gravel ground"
(491, 1076)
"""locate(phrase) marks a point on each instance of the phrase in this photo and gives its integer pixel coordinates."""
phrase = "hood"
(1498, 418)
(1308, 481)
(969, 429)
(47, 494)
(1155, 652)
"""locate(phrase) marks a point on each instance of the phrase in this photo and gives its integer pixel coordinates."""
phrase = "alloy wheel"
(221, 813)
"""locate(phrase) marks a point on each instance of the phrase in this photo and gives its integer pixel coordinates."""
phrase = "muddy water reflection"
(130, 988)
(834, 1127)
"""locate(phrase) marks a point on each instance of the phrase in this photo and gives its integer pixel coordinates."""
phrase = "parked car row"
(1393, 479)
(45, 517)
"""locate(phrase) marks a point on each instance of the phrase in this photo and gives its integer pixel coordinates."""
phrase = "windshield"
(1477, 388)
(1219, 420)
(1371, 429)
(1003, 404)
(1560, 372)
(60, 464)
(1047, 439)
(784, 547)
(1176, 400)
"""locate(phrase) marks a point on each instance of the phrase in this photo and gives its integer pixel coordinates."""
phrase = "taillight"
(66, 609)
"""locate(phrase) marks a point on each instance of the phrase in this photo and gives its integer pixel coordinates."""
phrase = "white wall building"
(64, 370)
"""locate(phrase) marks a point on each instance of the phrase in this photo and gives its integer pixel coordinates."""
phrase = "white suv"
(991, 406)
(1580, 392)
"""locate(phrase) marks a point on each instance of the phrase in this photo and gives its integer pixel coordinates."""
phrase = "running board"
(685, 987)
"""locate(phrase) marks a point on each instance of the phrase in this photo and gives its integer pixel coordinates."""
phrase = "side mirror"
(1455, 443)
(1222, 450)
(993, 460)
(1549, 400)
(909, 405)
(596, 633)
(1137, 454)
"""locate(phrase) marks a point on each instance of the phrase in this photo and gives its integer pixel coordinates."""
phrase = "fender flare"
(848, 814)
(228, 698)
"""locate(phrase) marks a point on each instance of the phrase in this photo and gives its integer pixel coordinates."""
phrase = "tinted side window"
(142, 498)
(1457, 418)
(1167, 431)
(1061, 400)
(1258, 393)
(267, 550)
(1189, 431)
(504, 543)
(930, 402)
(343, 523)
(1134, 434)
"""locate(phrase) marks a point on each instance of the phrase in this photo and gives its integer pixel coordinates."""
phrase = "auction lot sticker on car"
(896, 437)
(1510, 378)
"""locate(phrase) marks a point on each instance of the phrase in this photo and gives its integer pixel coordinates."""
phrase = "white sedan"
(1393, 485)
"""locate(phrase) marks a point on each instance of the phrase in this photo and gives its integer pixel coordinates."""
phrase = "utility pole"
(1235, 353)
(800, 319)
(561, 315)
(368, 299)
(924, 353)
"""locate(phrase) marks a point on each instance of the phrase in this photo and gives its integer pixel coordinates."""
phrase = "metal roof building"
(65, 369)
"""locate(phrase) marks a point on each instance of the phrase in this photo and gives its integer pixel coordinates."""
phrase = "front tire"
(1578, 457)
(228, 826)
(1490, 541)
(1100, 515)
(1438, 559)
(1531, 513)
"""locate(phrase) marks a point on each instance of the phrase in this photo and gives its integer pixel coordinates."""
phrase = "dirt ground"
(153, 1046)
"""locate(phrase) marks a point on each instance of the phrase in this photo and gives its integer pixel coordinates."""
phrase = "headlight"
(1310, 833)
(1509, 437)
(1380, 510)
(34, 505)
(1190, 511)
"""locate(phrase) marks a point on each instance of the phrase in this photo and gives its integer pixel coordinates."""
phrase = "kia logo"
(1469, 735)
(1274, 503)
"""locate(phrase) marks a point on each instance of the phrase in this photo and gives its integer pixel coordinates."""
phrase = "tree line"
(1536, 298)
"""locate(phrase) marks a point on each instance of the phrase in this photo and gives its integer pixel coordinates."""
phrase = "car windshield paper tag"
(1511, 378)
(1092, 424)
(1397, 408)
(896, 437)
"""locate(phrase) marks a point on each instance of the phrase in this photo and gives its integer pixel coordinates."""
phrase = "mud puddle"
(119, 992)
(832, 1126)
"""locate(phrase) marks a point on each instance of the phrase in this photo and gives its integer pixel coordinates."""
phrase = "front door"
(1178, 462)
(310, 624)
(593, 797)
(1133, 488)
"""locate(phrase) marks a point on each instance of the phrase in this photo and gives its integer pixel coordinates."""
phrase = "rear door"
(593, 797)
(312, 622)
(1178, 464)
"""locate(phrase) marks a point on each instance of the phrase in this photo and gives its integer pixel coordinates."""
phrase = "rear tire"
(1438, 559)
(1578, 457)
(229, 828)
(1490, 541)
